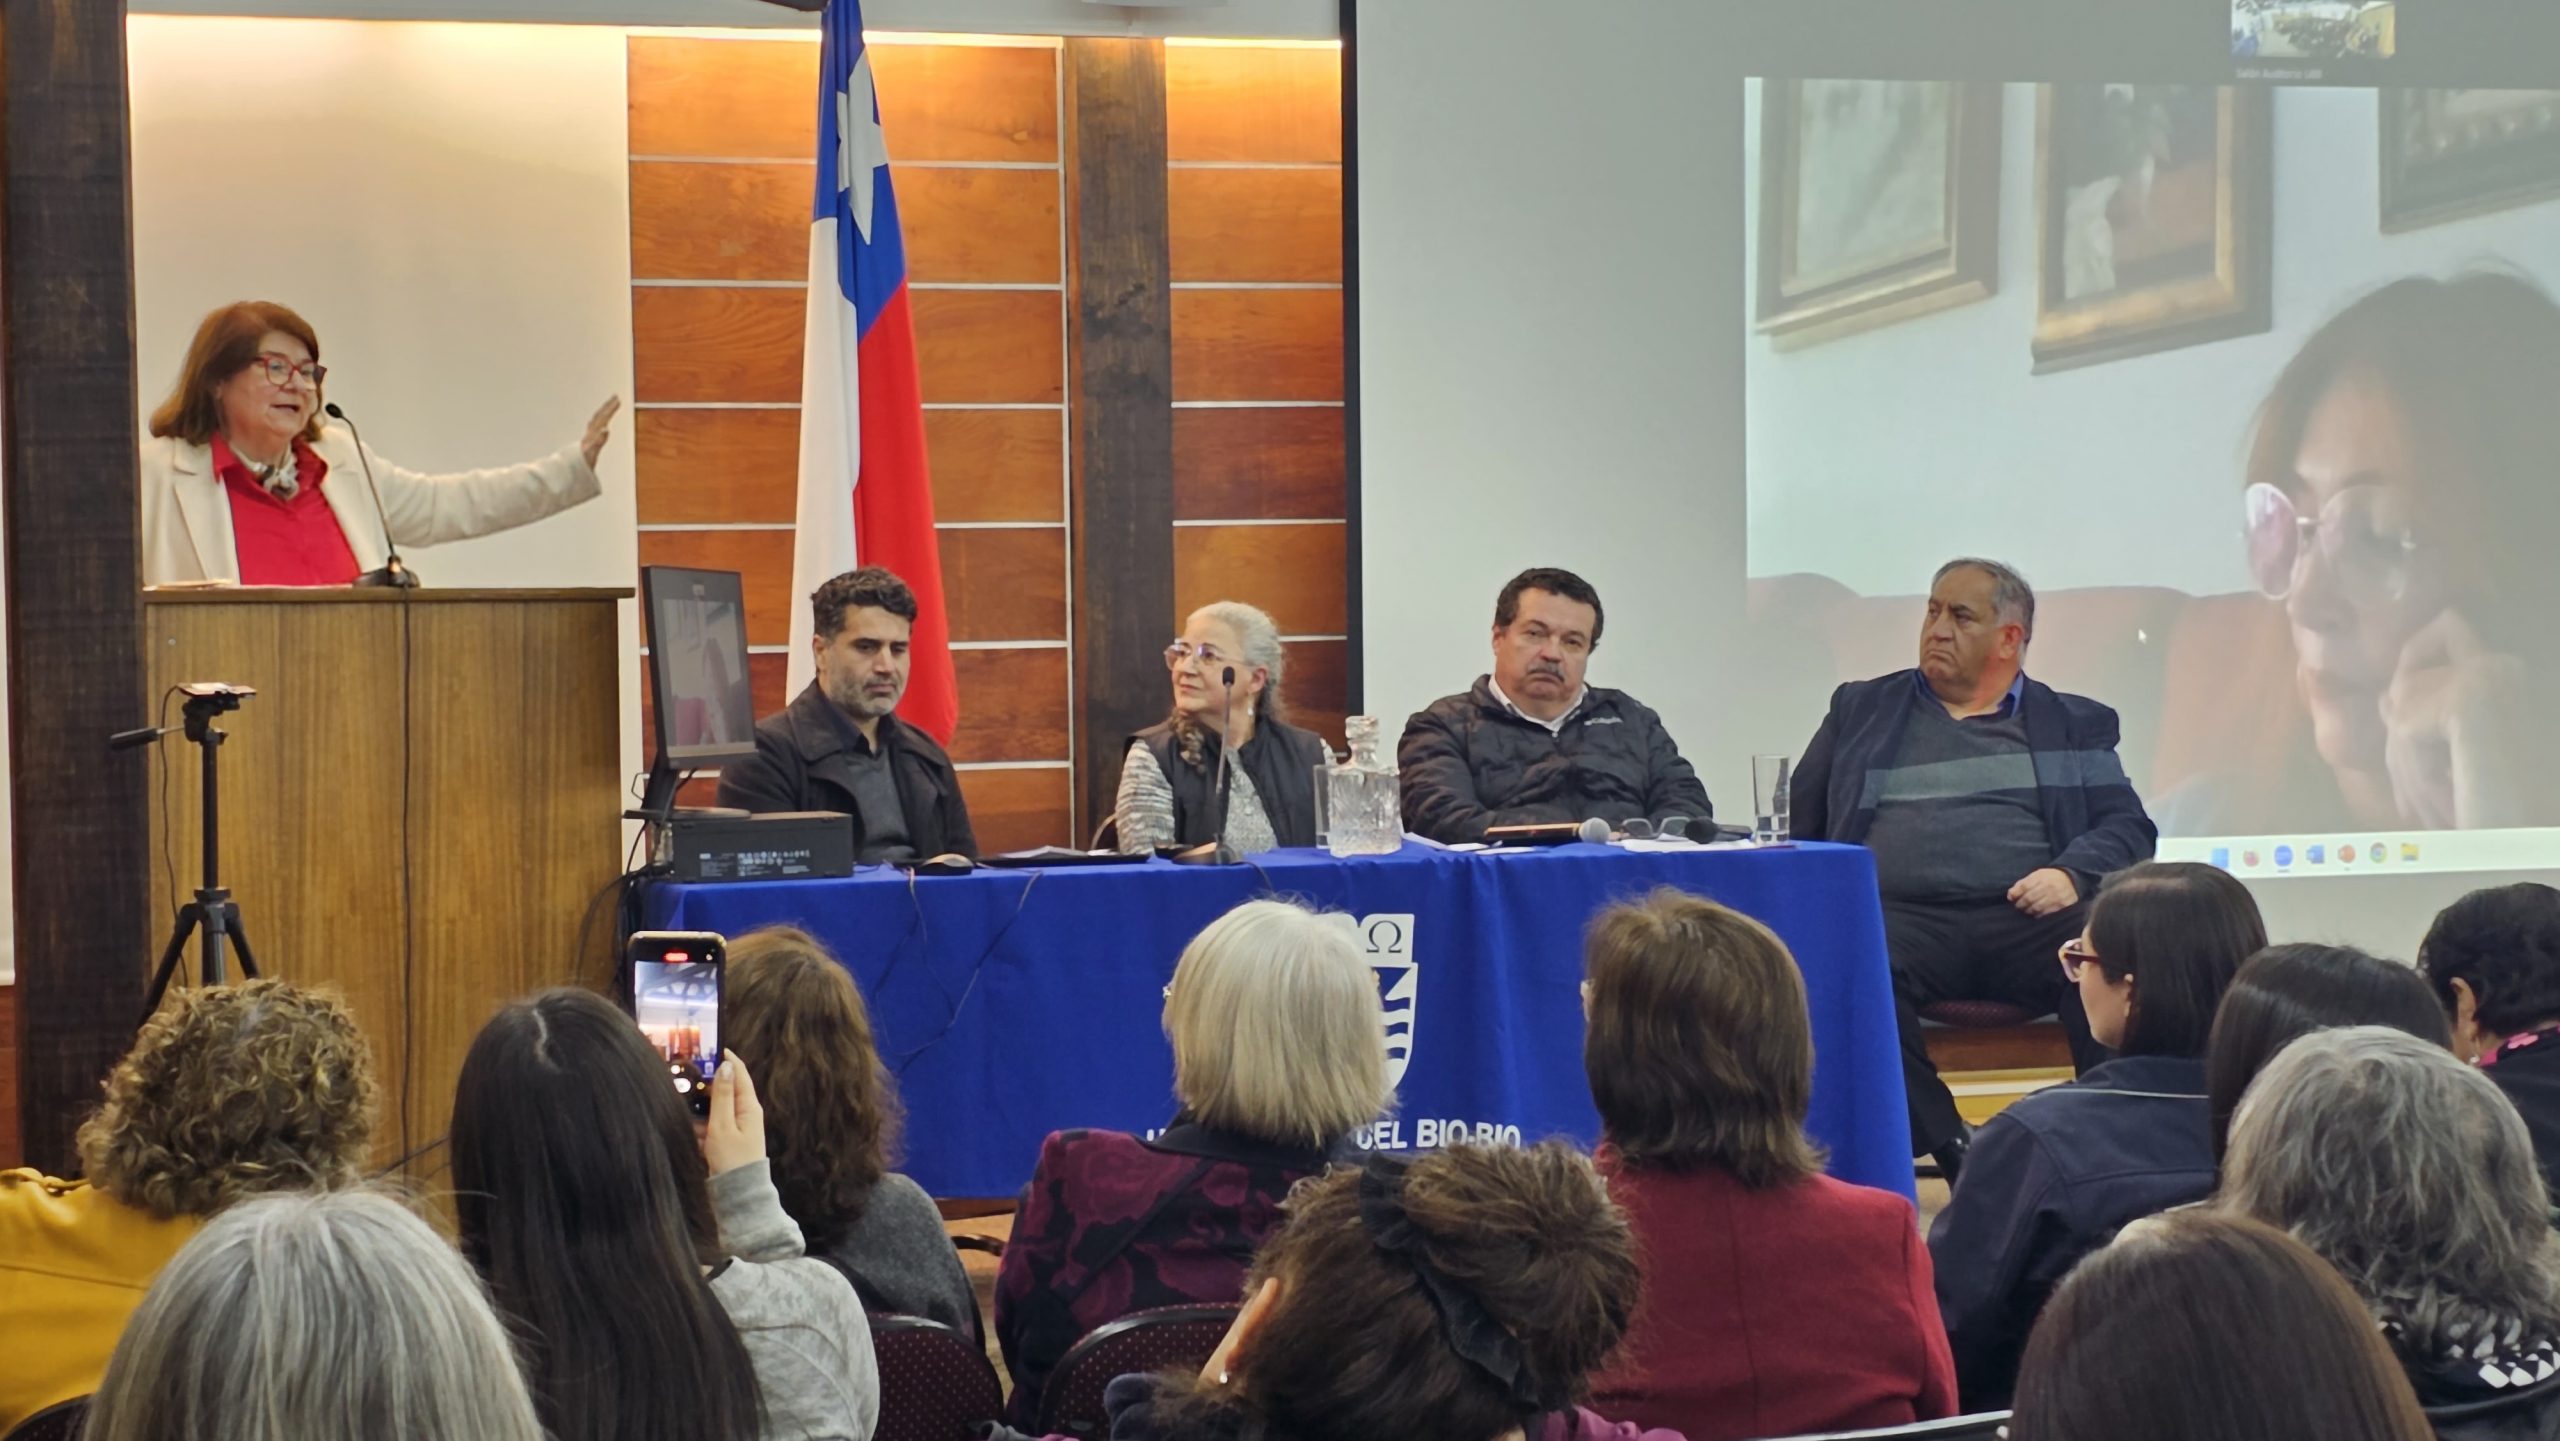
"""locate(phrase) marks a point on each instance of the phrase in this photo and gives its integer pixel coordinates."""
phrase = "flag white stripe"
(830, 443)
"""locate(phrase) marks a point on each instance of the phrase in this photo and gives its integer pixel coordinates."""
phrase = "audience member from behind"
(1994, 805)
(1700, 1057)
(228, 1092)
(792, 1015)
(2412, 1175)
(641, 1313)
(2057, 1173)
(1169, 780)
(2494, 960)
(2202, 1325)
(1531, 743)
(1279, 1052)
(295, 1317)
(1464, 1296)
(2285, 993)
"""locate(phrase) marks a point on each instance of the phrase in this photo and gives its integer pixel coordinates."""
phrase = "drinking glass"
(1771, 778)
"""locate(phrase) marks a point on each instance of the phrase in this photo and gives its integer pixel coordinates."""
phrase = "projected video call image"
(2256, 385)
(2314, 29)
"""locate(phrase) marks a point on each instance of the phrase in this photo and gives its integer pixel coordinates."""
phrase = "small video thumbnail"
(2314, 30)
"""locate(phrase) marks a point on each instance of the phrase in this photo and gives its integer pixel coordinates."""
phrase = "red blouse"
(285, 542)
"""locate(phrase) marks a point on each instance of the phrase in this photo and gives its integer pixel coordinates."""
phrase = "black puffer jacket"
(1467, 763)
(2461, 1407)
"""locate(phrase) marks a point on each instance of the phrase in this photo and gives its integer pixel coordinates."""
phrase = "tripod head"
(205, 700)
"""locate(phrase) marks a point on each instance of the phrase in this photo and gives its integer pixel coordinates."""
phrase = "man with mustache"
(1531, 742)
(840, 745)
(1994, 805)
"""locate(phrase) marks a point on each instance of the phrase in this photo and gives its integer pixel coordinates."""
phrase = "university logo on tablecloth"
(1386, 939)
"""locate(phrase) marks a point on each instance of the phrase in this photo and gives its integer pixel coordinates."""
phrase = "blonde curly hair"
(230, 1091)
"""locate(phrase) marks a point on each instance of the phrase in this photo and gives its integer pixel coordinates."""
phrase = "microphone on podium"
(394, 572)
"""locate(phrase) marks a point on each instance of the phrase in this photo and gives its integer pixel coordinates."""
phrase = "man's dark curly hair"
(2504, 943)
(231, 1091)
(874, 586)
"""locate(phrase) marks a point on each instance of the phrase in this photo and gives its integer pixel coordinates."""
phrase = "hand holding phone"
(734, 1136)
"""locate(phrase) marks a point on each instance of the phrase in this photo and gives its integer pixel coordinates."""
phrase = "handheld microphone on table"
(393, 572)
(1594, 831)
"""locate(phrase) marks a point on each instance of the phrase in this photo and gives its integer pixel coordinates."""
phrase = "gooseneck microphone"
(1226, 759)
(393, 572)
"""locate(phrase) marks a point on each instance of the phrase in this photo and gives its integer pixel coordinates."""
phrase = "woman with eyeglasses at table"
(1169, 783)
(245, 480)
(2402, 504)
(2058, 1172)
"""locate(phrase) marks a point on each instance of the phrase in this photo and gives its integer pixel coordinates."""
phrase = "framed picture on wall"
(2154, 206)
(2451, 154)
(1879, 200)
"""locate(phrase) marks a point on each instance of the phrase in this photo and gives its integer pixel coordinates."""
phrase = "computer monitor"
(696, 623)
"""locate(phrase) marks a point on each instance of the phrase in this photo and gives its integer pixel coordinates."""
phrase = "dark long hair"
(2167, 1333)
(2181, 929)
(832, 1113)
(584, 1202)
(2284, 993)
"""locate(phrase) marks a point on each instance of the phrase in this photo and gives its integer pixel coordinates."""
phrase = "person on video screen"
(2402, 501)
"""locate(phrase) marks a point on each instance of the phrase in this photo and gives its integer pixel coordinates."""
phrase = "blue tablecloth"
(1016, 1003)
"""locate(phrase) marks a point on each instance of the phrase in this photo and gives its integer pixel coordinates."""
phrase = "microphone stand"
(1216, 851)
(393, 573)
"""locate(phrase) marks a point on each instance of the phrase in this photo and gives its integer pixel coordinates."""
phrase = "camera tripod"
(212, 911)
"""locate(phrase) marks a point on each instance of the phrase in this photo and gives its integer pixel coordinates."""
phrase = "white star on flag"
(860, 147)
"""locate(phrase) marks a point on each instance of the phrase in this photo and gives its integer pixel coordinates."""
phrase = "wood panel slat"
(984, 227)
(734, 98)
(1279, 464)
(1319, 687)
(1293, 571)
(1257, 345)
(986, 347)
(715, 467)
(967, 102)
(1259, 225)
(1016, 810)
(693, 220)
(1005, 584)
(716, 343)
(762, 559)
(997, 465)
(1280, 104)
(1013, 705)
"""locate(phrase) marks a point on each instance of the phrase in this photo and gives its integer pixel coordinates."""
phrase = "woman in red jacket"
(1776, 1301)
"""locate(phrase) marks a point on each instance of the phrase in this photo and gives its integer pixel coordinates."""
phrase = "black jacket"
(800, 765)
(1282, 760)
(1467, 763)
(2470, 1412)
(2050, 1180)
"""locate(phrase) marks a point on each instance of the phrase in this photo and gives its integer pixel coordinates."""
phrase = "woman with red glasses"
(2402, 504)
(2052, 1177)
(245, 480)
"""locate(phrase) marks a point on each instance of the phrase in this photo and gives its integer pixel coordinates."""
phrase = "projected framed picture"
(2153, 205)
(1879, 200)
(2451, 154)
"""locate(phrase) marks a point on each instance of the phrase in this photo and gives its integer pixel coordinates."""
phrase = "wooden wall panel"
(733, 99)
(1277, 104)
(1293, 571)
(1257, 345)
(967, 102)
(1014, 705)
(979, 227)
(1256, 225)
(1005, 585)
(712, 467)
(1320, 685)
(987, 347)
(1277, 464)
(1016, 810)
(692, 220)
(997, 465)
(713, 343)
(762, 557)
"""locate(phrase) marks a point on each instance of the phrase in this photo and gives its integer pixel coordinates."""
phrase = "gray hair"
(300, 1315)
(1276, 1026)
(2012, 599)
(1260, 636)
(2411, 1173)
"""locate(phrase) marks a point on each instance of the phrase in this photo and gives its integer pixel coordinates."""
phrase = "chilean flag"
(866, 496)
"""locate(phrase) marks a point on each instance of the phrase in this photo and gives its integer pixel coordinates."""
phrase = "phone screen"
(675, 996)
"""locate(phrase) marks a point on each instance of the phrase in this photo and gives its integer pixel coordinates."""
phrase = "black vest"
(1282, 760)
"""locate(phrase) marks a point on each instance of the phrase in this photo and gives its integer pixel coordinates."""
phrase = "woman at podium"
(246, 480)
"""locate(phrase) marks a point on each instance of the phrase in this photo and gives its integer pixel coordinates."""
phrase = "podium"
(418, 805)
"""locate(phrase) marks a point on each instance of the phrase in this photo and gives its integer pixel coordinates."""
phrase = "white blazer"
(186, 514)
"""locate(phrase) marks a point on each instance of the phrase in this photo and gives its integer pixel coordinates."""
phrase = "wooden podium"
(416, 807)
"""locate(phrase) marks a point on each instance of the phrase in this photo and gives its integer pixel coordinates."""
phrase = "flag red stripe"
(893, 510)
